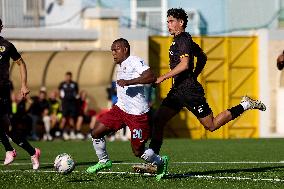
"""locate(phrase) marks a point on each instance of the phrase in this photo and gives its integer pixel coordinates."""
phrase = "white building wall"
(251, 14)
(66, 15)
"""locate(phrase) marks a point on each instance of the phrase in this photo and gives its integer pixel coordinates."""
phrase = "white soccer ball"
(64, 163)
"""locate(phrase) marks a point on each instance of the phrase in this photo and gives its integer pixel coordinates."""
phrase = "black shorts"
(5, 100)
(190, 97)
(69, 109)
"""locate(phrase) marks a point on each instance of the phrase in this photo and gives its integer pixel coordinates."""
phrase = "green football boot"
(163, 168)
(99, 166)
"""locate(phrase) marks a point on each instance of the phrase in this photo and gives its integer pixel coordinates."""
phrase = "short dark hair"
(178, 13)
(68, 73)
(124, 42)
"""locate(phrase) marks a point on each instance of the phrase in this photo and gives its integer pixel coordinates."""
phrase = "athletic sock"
(245, 105)
(236, 111)
(150, 157)
(5, 141)
(155, 145)
(26, 146)
(3, 136)
(22, 142)
(100, 148)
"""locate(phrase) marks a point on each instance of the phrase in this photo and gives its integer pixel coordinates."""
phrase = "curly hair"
(178, 13)
(124, 42)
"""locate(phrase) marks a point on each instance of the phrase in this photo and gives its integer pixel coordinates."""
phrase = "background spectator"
(68, 94)
(83, 117)
(55, 113)
(39, 106)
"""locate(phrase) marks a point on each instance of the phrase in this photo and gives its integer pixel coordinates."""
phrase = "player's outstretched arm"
(182, 66)
(23, 73)
(147, 77)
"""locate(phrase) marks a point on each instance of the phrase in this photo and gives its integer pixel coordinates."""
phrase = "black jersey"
(68, 91)
(183, 46)
(186, 81)
(7, 51)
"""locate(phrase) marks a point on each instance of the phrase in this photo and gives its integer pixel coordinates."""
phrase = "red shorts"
(116, 119)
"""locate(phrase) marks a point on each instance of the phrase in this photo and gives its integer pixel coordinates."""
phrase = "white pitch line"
(185, 162)
(26, 164)
(230, 162)
(147, 174)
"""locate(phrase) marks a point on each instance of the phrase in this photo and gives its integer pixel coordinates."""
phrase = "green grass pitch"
(246, 163)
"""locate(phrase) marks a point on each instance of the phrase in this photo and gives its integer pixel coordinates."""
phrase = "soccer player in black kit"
(186, 90)
(7, 51)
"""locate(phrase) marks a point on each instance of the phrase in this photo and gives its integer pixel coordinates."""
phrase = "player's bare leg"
(210, 123)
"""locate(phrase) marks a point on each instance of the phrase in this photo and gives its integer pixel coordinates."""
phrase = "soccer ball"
(64, 163)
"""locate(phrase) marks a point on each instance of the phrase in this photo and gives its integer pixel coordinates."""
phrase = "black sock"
(236, 111)
(5, 122)
(155, 145)
(26, 146)
(5, 141)
(23, 143)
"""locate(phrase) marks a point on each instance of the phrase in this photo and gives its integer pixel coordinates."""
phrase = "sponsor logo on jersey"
(200, 108)
(2, 48)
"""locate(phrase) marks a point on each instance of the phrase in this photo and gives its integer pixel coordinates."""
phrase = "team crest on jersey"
(2, 48)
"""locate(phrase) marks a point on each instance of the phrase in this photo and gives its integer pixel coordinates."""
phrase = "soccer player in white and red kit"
(131, 109)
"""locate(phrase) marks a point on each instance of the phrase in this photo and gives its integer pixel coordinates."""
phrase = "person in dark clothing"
(69, 94)
(8, 51)
(186, 90)
(38, 108)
